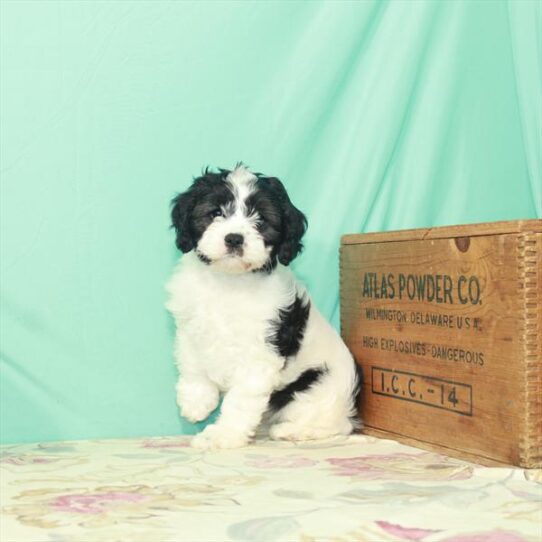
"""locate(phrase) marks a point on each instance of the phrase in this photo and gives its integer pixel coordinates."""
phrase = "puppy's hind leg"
(297, 431)
(320, 411)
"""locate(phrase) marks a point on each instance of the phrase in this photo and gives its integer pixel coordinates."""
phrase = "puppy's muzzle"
(234, 242)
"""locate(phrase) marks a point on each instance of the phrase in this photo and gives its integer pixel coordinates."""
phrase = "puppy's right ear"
(181, 212)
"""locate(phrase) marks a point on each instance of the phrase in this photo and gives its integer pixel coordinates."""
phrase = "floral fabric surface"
(349, 489)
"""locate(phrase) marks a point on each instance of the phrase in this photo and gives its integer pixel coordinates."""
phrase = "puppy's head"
(238, 221)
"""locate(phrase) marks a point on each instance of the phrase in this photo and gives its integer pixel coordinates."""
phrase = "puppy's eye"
(216, 212)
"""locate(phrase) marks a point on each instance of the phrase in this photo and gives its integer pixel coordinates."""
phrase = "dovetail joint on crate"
(529, 254)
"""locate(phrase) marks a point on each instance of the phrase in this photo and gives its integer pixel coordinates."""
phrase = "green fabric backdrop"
(376, 115)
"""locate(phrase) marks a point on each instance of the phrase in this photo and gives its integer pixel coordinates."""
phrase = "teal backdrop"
(376, 115)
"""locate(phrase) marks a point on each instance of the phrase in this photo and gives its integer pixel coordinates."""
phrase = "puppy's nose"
(234, 240)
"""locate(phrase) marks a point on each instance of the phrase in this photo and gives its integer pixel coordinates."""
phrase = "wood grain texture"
(444, 232)
(446, 329)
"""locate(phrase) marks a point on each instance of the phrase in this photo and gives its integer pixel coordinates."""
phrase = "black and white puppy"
(245, 327)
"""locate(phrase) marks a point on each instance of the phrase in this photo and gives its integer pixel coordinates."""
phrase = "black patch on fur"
(203, 258)
(288, 328)
(281, 224)
(280, 398)
(356, 392)
(191, 212)
(267, 267)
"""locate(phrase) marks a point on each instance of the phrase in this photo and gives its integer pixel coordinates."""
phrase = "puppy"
(246, 329)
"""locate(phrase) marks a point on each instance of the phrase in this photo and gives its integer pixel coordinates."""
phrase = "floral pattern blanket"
(348, 489)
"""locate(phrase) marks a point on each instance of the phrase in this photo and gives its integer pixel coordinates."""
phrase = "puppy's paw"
(199, 411)
(284, 431)
(196, 413)
(196, 400)
(292, 431)
(214, 437)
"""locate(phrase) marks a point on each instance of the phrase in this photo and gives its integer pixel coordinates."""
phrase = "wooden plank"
(444, 232)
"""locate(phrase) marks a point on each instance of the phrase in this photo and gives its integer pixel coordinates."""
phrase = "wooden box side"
(514, 294)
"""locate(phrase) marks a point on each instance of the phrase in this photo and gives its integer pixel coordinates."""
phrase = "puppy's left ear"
(294, 224)
(181, 211)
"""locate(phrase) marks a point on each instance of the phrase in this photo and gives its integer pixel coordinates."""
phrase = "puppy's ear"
(294, 224)
(181, 210)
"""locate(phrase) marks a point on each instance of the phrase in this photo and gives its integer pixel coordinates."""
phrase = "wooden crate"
(445, 323)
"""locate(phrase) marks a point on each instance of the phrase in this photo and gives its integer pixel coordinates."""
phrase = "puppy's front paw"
(197, 413)
(196, 400)
(215, 437)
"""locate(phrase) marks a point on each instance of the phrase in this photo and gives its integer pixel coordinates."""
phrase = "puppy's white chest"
(228, 319)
